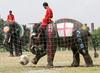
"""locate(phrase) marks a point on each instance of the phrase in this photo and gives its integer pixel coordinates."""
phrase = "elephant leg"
(18, 50)
(20, 47)
(82, 42)
(11, 49)
(87, 57)
(76, 57)
(83, 45)
(11, 52)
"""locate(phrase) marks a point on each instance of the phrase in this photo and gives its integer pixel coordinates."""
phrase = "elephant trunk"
(96, 55)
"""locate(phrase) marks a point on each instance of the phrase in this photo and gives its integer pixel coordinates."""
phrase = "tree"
(96, 38)
(1, 33)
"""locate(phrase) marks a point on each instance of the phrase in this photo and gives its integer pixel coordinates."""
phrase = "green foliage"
(1, 35)
(1, 21)
(96, 37)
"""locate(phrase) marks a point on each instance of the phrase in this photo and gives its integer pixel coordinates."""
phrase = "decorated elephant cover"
(65, 29)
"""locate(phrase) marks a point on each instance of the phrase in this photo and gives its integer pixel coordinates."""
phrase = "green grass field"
(62, 64)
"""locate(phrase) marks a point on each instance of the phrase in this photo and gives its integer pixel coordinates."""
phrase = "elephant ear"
(21, 30)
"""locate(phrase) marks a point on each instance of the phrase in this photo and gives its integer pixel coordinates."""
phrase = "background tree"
(1, 34)
(96, 38)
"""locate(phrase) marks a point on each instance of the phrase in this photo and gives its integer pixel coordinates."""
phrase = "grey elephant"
(13, 38)
(78, 42)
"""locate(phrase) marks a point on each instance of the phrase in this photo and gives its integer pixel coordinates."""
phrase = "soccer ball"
(24, 60)
(6, 29)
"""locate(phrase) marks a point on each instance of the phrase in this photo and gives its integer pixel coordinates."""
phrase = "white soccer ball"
(6, 29)
(24, 60)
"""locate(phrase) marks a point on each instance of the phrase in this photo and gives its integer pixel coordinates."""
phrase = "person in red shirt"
(48, 15)
(46, 37)
(10, 17)
(46, 20)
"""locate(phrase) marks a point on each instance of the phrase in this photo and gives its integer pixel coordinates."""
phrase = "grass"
(62, 64)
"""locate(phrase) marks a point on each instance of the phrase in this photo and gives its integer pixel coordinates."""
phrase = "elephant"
(78, 42)
(12, 38)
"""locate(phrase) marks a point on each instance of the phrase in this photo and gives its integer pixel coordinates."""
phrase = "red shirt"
(10, 18)
(48, 17)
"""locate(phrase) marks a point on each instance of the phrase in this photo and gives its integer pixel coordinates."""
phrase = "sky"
(31, 11)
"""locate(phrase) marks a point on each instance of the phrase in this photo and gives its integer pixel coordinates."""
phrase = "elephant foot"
(49, 66)
(89, 64)
(88, 61)
(74, 65)
(35, 61)
(18, 54)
